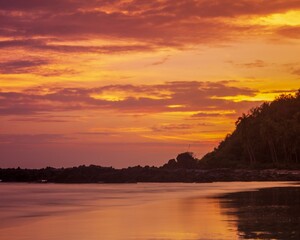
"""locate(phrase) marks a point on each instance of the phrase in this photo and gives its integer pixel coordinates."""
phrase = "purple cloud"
(152, 24)
(21, 66)
(185, 96)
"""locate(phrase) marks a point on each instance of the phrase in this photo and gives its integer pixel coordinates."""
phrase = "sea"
(150, 211)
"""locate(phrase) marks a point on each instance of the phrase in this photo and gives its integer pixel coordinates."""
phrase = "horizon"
(248, 113)
(127, 83)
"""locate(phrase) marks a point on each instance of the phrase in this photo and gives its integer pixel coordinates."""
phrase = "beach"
(160, 211)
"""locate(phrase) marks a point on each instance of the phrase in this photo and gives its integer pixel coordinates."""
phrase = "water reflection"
(149, 211)
(272, 213)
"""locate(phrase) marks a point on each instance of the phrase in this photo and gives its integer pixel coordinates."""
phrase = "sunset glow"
(123, 83)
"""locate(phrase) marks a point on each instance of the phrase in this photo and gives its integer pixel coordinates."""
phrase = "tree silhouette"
(268, 136)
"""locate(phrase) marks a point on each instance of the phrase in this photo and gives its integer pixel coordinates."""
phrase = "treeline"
(267, 137)
(97, 174)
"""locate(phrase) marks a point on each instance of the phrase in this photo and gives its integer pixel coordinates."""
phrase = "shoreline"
(145, 175)
(166, 208)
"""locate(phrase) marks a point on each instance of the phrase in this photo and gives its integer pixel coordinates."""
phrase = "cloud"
(167, 97)
(218, 8)
(162, 61)
(212, 114)
(36, 5)
(255, 64)
(293, 68)
(53, 46)
(44, 119)
(33, 66)
(150, 25)
(172, 127)
(21, 66)
(296, 71)
(204, 8)
(289, 32)
(281, 91)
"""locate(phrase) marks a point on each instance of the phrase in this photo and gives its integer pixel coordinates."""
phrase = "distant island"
(265, 146)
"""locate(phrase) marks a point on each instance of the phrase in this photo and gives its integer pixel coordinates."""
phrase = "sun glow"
(263, 96)
(291, 18)
(139, 71)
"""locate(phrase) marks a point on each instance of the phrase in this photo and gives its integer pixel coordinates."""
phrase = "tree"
(186, 160)
(267, 136)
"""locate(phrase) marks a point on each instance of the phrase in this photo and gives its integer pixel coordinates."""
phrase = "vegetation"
(184, 160)
(97, 174)
(267, 137)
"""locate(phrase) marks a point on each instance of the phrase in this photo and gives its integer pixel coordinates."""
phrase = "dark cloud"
(281, 91)
(153, 23)
(33, 66)
(21, 43)
(21, 66)
(213, 9)
(54, 6)
(289, 32)
(48, 45)
(203, 8)
(167, 97)
(36, 5)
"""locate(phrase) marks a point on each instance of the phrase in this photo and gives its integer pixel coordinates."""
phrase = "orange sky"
(122, 83)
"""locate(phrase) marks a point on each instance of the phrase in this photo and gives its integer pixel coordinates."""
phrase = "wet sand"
(150, 211)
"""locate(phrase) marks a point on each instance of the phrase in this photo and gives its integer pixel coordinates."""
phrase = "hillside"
(267, 137)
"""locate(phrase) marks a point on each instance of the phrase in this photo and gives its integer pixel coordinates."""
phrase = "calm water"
(149, 211)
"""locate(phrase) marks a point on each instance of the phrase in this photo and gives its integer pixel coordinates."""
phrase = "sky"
(135, 82)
